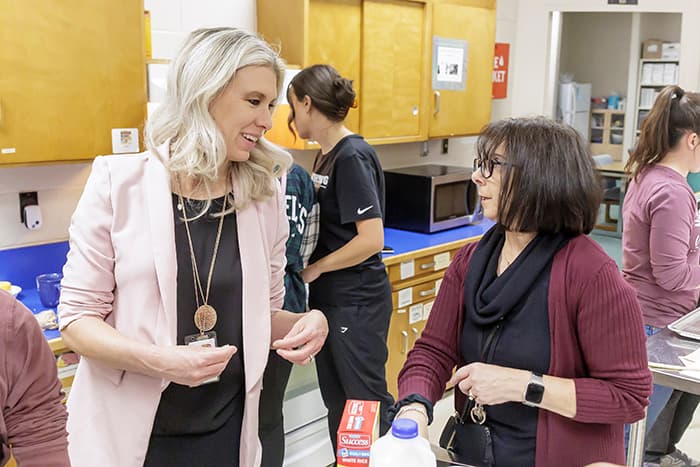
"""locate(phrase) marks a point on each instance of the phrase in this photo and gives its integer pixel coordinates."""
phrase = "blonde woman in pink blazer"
(174, 280)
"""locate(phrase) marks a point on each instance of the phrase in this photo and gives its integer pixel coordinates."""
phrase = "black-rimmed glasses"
(486, 166)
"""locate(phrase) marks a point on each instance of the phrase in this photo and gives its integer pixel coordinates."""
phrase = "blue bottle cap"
(404, 428)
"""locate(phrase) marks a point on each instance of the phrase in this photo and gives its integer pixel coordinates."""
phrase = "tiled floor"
(690, 443)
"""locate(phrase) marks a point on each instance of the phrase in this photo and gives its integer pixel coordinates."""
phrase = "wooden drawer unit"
(405, 328)
(419, 266)
(416, 291)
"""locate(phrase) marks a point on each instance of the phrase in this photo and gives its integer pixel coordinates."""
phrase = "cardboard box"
(652, 48)
(671, 50)
(359, 428)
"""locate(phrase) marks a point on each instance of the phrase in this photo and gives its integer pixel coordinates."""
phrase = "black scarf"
(489, 298)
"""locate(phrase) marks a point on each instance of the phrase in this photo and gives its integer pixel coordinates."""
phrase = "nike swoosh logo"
(364, 210)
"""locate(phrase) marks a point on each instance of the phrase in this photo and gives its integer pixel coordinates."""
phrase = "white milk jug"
(402, 447)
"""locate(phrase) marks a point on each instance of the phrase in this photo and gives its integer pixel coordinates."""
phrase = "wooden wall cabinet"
(71, 72)
(385, 46)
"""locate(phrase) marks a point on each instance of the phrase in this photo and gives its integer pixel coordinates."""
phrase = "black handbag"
(465, 436)
(470, 443)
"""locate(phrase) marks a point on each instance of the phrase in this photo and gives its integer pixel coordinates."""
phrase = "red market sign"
(500, 71)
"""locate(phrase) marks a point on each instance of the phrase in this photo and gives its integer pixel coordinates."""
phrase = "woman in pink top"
(171, 374)
(660, 242)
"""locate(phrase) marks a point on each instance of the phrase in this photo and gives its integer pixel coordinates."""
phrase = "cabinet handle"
(427, 265)
(415, 335)
(405, 342)
(437, 102)
(425, 293)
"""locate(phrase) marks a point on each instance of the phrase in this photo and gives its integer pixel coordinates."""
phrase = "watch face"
(534, 393)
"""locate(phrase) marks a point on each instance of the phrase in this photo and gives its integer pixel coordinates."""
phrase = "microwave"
(430, 198)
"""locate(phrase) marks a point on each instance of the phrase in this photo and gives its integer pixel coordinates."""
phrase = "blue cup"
(49, 288)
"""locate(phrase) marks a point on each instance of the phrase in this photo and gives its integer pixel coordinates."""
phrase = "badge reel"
(205, 322)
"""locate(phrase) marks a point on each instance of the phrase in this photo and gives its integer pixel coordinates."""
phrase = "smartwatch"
(535, 390)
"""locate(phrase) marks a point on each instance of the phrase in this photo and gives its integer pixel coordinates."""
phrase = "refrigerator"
(575, 106)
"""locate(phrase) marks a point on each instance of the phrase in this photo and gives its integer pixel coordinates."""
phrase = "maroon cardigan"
(597, 339)
(32, 417)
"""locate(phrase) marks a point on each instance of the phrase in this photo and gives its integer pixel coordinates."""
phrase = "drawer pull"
(405, 342)
(425, 266)
(425, 293)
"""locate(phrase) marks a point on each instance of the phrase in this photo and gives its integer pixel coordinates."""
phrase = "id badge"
(206, 339)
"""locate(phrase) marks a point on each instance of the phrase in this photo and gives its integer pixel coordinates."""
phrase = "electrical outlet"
(445, 142)
(29, 198)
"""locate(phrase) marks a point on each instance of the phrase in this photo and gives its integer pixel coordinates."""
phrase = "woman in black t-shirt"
(346, 276)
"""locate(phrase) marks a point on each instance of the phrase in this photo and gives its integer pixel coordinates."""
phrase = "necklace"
(504, 262)
(205, 315)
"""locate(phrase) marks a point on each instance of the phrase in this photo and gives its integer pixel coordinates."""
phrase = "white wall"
(58, 187)
(664, 26)
(591, 47)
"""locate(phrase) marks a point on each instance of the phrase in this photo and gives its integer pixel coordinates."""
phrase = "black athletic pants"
(351, 364)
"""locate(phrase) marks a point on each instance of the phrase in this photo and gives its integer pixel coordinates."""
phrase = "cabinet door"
(71, 72)
(334, 39)
(398, 344)
(465, 112)
(393, 46)
(313, 32)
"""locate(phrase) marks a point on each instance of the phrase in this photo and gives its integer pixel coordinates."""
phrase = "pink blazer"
(122, 268)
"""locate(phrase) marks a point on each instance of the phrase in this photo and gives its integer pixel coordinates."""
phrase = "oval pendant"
(205, 318)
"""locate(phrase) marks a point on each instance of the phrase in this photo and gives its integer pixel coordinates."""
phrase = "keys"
(478, 414)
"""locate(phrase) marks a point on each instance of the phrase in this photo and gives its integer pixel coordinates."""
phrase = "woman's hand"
(416, 413)
(491, 384)
(305, 339)
(192, 365)
(310, 273)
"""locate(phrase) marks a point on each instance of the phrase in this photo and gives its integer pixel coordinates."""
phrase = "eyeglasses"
(486, 166)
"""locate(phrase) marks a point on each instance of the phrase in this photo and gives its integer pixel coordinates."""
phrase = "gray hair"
(206, 64)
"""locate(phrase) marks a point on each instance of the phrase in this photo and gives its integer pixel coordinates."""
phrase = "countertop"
(404, 242)
(22, 265)
(666, 347)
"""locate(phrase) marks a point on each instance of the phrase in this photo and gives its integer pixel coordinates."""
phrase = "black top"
(522, 341)
(350, 184)
(204, 409)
